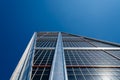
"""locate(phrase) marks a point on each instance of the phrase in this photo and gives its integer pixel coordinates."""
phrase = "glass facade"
(43, 58)
(91, 64)
(87, 73)
(63, 56)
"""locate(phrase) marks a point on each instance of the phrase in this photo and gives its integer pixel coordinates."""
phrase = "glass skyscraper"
(64, 56)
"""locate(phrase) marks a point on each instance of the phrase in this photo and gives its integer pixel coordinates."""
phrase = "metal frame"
(45, 48)
(18, 72)
(58, 67)
(33, 55)
(58, 70)
(91, 48)
(103, 41)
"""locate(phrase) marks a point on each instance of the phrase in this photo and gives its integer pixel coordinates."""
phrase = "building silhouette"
(64, 56)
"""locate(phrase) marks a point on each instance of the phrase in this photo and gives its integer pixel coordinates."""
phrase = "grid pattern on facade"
(43, 58)
(47, 34)
(42, 64)
(83, 58)
(90, 64)
(89, 57)
(70, 40)
(116, 53)
(100, 43)
(93, 73)
(68, 35)
(76, 42)
(76, 39)
(46, 42)
(41, 73)
(82, 42)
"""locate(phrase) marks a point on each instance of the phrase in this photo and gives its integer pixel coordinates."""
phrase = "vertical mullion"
(45, 64)
(38, 56)
(71, 52)
(58, 70)
(51, 43)
(82, 62)
(71, 63)
(39, 64)
(89, 63)
(47, 42)
(43, 43)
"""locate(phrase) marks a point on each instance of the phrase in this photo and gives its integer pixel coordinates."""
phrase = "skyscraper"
(63, 56)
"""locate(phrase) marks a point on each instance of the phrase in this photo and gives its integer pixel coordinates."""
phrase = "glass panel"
(42, 64)
(115, 53)
(46, 42)
(77, 57)
(93, 73)
(78, 64)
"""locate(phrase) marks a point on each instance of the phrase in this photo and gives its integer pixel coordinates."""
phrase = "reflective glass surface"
(42, 64)
(91, 65)
(40, 73)
(100, 43)
(93, 73)
(76, 42)
(115, 53)
(46, 42)
(43, 58)
(89, 57)
(47, 34)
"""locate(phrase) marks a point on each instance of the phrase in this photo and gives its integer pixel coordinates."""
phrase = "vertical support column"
(58, 69)
(64, 62)
(24, 62)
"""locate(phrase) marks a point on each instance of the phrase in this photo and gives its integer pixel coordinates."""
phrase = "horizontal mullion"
(93, 66)
(91, 48)
(41, 66)
(48, 48)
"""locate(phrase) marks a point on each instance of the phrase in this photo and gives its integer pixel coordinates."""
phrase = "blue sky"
(20, 18)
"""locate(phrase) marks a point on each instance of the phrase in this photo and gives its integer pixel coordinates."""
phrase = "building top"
(64, 56)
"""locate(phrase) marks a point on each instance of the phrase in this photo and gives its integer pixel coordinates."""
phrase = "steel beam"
(48, 48)
(91, 48)
(18, 72)
(58, 66)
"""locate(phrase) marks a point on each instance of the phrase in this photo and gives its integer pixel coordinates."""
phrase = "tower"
(64, 56)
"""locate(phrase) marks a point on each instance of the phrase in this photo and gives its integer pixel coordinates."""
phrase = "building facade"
(64, 56)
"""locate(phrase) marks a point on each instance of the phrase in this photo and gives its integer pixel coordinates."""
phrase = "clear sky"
(20, 18)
